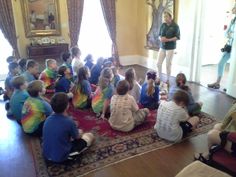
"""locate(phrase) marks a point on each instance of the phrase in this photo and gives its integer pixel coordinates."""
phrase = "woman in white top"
(135, 88)
(76, 61)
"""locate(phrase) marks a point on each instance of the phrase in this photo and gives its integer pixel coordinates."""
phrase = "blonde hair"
(151, 87)
(151, 78)
(105, 77)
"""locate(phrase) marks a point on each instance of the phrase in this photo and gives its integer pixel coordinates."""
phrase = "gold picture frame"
(41, 17)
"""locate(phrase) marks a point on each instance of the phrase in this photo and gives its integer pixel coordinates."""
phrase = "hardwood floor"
(16, 159)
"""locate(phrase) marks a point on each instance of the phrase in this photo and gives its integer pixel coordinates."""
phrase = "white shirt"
(169, 115)
(76, 65)
(122, 109)
(136, 91)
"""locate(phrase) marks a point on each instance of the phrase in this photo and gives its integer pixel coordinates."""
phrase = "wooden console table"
(53, 51)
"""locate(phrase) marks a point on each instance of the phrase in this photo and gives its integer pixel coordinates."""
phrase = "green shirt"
(169, 31)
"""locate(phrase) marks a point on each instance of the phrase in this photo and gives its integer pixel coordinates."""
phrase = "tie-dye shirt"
(82, 94)
(48, 76)
(100, 96)
(34, 111)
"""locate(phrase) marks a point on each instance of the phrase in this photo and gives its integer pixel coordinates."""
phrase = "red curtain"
(75, 13)
(7, 25)
(109, 13)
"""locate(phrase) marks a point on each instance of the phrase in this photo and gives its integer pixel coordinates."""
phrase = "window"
(94, 37)
(6, 51)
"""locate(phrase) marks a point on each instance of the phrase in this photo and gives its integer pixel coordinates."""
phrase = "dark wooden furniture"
(47, 51)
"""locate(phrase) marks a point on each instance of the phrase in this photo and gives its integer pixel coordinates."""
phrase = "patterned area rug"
(110, 146)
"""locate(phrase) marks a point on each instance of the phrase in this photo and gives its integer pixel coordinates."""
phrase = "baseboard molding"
(138, 60)
(151, 63)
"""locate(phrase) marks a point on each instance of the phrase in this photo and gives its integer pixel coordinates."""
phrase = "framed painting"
(41, 17)
(158, 8)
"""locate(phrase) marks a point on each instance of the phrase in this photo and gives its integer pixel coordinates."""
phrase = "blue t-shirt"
(146, 100)
(17, 101)
(89, 64)
(95, 73)
(8, 83)
(63, 85)
(28, 76)
(57, 133)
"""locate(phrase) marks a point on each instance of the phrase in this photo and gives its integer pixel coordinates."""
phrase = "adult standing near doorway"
(226, 52)
(169, 34)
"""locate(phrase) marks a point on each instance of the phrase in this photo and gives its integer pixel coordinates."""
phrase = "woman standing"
(169, 34)
(226, 52)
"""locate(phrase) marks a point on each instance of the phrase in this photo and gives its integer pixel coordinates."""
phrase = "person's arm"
(175, 38)
(47, 108)
(105, 106)
(134, 105)
(183, 115)
(87, 88)
(228, 120)
(73, 130)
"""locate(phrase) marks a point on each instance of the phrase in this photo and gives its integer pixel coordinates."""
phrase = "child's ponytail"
(60, 74)
(151, 87)
(151, 78)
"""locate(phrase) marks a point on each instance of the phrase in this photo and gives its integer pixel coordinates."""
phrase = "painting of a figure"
(41, 17)
(42, 14)
(158, 7)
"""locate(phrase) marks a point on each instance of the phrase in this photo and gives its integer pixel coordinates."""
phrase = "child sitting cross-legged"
(35, 110)
(18, 97)
(193, 107)
(150, 91)
(32, 70)
(135, 88)
(82, 90)
(117, 77)
(125, 113)
(60, 134)
(67, 59)
(63, 82)
(96, 71)
(173, 122)
(102, 96)
(49, 75)
(89, 61)
(13, 71)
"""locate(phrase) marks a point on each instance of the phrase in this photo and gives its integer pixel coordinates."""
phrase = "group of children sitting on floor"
(120, 100)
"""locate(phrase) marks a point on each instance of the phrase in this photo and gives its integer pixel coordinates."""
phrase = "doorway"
(217, 17)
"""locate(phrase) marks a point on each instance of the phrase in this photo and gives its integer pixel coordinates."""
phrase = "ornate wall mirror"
(41, 17)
